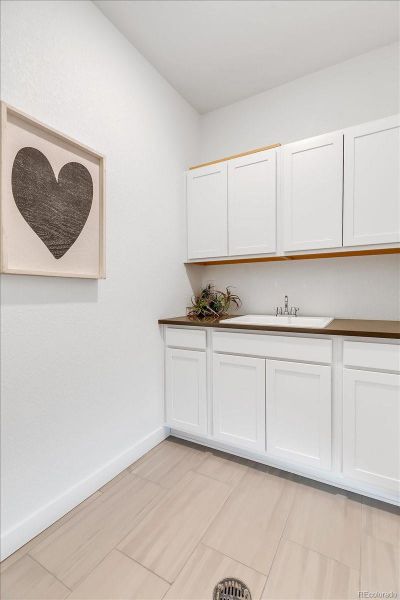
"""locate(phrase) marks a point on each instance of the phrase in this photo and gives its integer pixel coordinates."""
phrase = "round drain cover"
(231, 589)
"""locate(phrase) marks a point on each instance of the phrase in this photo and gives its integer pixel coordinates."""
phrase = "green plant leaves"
(211, 304)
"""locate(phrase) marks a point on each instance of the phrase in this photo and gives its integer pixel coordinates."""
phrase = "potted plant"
(212, 304)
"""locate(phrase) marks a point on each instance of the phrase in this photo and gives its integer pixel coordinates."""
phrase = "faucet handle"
(294, 310)
(278, 311)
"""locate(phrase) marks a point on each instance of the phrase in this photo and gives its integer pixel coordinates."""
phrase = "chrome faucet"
(292, 311)
(286, 311)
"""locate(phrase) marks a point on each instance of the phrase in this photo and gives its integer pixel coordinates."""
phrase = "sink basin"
(280, 321)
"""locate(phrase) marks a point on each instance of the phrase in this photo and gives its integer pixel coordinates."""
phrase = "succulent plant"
(212, 304)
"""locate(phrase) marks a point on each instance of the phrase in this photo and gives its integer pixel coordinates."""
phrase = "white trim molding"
(45, 516)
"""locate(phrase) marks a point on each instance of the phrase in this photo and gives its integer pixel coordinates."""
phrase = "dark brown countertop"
(351, 327)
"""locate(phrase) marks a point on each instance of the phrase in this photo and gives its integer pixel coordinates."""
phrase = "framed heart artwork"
(52, 201)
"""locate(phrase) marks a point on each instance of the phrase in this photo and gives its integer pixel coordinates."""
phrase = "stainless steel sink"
(280, 321)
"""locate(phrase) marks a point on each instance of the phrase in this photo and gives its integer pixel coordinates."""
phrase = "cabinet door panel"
(186, 390)
(371, 183)
(312, 192)
(252, 203)
(371, 415)
(239, 401)
(299, 412)
(207, 211)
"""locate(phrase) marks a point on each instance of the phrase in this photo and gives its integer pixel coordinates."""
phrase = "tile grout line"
(234, 559)
(164, 487)
(32, 541)
(137, 562)
(219, 511)
(231, 488)
(102, 559)
(348, 497)
(154, 502)
(164, 474)
(164, 493)
(79, 580)
(145, 567)
(234, 486)
(82, 579)
(281, 537)
(323, 555)
(186, 562)
(50, 573)
(361, 544)
(119, 477)
(320, 553)
(247, 467)
(200, 541)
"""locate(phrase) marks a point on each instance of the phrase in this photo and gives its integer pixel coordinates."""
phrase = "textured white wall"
(355, 91)
(82, 360)
(365, 287)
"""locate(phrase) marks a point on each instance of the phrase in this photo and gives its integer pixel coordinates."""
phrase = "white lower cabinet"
(270, 397)
(371, 428)
(239, 401)
(186, 390)
(298, 399)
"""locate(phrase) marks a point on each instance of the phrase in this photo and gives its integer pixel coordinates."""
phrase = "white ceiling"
(215, 52)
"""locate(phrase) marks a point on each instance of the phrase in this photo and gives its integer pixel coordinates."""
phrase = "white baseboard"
(329, 478)
(36, 522)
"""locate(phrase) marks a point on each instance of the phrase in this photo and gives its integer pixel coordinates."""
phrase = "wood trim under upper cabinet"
(213, 162)
(337, 254)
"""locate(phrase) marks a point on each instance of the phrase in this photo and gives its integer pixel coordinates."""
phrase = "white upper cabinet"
(312, 193)
(371, 183)
(207, 211)
(334, 190)
(252, 203)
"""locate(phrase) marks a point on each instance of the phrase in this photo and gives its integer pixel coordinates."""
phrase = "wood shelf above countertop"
(256, 259)
(219, 160)
(347, 327)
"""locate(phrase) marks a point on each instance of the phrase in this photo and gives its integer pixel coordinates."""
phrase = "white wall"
(82, 360)
(82, 366)
(358, 90)
(365, 287)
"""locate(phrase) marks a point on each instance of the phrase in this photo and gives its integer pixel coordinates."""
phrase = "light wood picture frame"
(52, 201)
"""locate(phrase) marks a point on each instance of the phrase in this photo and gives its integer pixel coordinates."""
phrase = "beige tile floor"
(183, 517)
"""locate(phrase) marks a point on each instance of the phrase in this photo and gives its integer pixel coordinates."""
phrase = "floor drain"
(231, 589)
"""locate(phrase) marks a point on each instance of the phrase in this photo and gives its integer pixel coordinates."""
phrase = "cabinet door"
(252, 203)
(186, 390)
(239, 401)
(371, 183)
(299, 412)
(312, 193)
(207, 211)
(371, 413)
